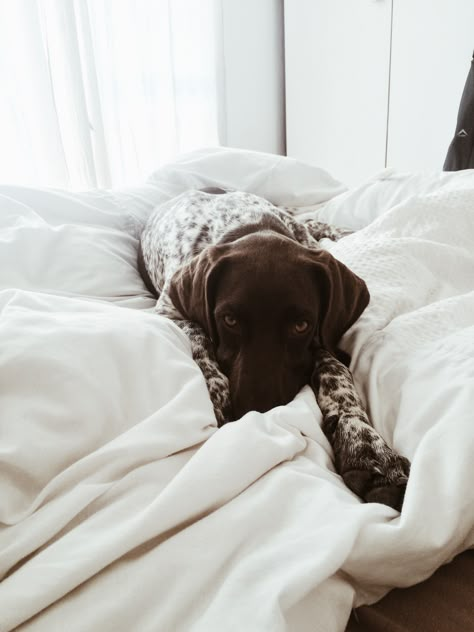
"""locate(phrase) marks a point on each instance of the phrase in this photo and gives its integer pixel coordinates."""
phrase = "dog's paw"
(374, 487)
(372, 470)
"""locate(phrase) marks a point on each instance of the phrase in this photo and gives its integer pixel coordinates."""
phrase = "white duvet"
(123, 508)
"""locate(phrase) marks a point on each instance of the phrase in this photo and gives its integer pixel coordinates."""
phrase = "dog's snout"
(261, 394)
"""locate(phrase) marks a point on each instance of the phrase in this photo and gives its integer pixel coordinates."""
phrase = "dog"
(264, 307)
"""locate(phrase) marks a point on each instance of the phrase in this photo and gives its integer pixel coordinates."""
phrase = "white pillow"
(71, 244)
(281, 180)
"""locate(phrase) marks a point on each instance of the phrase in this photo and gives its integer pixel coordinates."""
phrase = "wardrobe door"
(337, 57)
(432, 46)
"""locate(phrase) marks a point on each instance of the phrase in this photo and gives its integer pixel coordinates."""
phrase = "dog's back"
(180, 229)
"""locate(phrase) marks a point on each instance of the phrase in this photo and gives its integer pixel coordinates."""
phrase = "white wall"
(252, 74)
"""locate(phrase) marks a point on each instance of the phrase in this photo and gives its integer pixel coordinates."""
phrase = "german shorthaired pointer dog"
(264, 307)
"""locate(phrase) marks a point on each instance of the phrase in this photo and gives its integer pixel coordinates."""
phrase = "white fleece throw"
(122, 507)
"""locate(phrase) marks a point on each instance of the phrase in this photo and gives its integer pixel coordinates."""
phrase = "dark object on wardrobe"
(461, 150)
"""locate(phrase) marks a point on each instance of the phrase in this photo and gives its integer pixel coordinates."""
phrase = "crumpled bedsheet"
(122, 507)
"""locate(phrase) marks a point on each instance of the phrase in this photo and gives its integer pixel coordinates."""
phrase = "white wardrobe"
(374, 83)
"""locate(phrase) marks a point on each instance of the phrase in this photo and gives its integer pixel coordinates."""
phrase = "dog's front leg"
(368, 466)
(204, 356)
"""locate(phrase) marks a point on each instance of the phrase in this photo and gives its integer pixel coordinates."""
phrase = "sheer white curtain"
(98, 93)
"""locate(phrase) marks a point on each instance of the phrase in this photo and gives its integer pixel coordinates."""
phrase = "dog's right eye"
(230, 320)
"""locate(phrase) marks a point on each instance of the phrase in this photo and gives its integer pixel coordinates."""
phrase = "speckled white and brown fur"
(179, 230)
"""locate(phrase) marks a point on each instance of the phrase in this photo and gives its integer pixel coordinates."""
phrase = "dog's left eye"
(300, 326)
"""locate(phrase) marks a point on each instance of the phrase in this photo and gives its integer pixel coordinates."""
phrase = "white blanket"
(123, 508)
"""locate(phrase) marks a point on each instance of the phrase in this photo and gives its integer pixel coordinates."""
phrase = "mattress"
(122, 506)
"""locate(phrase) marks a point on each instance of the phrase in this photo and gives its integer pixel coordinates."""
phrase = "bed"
(122, 507)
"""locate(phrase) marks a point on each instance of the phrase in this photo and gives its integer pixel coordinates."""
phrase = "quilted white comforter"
(123, 508)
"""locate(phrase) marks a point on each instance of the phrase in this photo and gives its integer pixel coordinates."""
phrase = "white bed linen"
(122, 507)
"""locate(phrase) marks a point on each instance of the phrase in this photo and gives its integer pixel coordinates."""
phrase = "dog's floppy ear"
(344, 296)
(192, 288)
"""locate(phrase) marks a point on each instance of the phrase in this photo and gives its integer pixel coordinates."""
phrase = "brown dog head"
(267, 302)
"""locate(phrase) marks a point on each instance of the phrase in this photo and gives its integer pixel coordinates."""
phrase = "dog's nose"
(258, 404)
